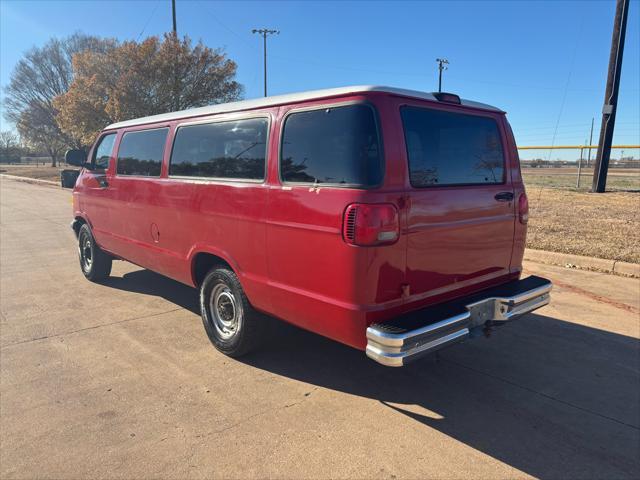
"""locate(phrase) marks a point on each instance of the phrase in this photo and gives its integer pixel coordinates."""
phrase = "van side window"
(235, 149)
(446, 148)
(141, 152)
(103, 151)
(335, 145)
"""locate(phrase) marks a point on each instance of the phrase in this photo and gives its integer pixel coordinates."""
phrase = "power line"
(148, 20)
(566, 86)
(227, 28)
(564, 98)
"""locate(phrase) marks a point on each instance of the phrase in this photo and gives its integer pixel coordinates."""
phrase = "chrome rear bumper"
(404, 339)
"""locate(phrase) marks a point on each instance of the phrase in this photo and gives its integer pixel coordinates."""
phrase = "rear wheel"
(232, 324)
(95, 264)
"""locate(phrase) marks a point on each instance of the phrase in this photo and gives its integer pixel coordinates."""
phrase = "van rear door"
(460, 215)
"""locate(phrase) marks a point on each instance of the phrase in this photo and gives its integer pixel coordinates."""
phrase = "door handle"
(504, 196)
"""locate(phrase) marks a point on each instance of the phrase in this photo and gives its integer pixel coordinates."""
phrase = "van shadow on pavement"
(150, 283)
(551, 398)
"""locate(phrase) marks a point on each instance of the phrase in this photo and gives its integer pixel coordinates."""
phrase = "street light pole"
(442, 65)
(264, 32)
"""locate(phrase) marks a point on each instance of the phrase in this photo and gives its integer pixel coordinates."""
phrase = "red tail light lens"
(523, 208)
(371, 224)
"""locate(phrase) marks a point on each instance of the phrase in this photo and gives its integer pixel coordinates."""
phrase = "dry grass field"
(618, 179)
(603, 225)
(40, 172)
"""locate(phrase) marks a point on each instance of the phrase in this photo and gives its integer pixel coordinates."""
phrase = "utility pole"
(590, 143)
(264, 32)
(610, 97)
(580, 167)
(442, 65)
(173, 10)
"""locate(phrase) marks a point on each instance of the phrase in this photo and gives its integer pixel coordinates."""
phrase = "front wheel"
(95, 264)
(231, 323)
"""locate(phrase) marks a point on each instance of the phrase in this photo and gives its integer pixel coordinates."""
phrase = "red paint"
(286, 242)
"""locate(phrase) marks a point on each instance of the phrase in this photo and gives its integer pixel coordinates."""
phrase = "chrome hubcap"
(224, 311)
(86, 252)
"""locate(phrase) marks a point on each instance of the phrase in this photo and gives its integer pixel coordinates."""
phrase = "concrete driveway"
(119, 381)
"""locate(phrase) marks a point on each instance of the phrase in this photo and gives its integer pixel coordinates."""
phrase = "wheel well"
(203, 262)
(78, 224)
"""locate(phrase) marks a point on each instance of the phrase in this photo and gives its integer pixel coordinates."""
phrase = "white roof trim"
(285, 99)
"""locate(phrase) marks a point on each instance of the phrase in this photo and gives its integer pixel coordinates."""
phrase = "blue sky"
(544, 62)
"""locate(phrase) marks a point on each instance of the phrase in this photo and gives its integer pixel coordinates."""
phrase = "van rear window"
(235, 149)
(446, 148)
(335, 145)
(140, 153)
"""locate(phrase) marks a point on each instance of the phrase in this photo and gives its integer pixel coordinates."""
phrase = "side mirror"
(77, 158)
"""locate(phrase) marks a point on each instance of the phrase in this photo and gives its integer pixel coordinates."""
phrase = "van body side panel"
(223, 219)
(189, 216)
(312, 272)
(317, 281)
(135, 207)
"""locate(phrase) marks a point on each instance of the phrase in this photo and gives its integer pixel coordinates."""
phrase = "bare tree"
(39, 133)
(8, 140)
(40, 76)
(9, 147)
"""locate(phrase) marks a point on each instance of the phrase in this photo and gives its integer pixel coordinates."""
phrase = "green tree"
(140, 79)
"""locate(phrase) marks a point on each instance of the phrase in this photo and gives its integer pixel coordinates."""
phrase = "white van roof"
(285, 99)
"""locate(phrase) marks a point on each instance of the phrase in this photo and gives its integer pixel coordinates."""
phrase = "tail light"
(371, 224)
(523, 208)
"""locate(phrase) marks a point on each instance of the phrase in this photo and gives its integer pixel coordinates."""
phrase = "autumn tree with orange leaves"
(139, 79)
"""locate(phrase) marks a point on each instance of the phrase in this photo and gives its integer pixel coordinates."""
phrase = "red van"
(390, 220)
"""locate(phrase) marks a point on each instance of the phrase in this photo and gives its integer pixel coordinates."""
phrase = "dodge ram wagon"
(390, 220)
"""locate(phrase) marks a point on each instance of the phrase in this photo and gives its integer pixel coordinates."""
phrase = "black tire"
(94, 263)
(232, 324)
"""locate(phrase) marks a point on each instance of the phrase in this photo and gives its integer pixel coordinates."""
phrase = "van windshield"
(335, 145)
(447, 148)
